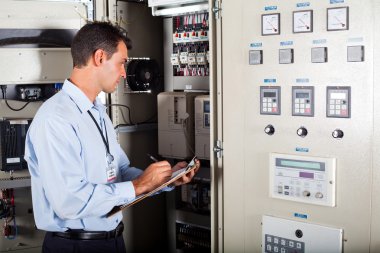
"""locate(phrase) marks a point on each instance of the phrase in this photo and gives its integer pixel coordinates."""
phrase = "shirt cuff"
(127, 192)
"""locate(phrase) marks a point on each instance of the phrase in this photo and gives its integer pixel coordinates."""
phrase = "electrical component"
(283, 235)
(192, 237)
(28, 92)
(143, 75)
(202, 126)
(176, 124)
(196, 196)
(174, 59)
(12, 143)
(4, 209)
(201, 59)
(191, 44)
(7, 212)
(319, 55)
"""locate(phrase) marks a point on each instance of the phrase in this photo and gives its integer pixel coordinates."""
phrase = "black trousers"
(54, 244)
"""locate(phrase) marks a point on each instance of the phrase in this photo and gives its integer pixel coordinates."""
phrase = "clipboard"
(176, 175)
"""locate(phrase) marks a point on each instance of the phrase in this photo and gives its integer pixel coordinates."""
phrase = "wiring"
(8, 199)
(4, 92)
(125, 106)
(122, 115)
(16, 109)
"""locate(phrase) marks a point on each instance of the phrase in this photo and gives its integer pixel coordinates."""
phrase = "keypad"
(303, 101)
(338, 102)
(283, 245)
(270, 100)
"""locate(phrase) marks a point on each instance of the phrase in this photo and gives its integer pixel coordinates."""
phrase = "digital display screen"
(302, 95)
(206, 106)
(338, 95)
(298, 164)
(306, 175)
(269, 94)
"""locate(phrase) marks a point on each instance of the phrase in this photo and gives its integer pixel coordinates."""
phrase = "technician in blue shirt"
(79, 171)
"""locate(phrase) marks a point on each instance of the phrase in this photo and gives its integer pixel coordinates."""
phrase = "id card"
(111, 172)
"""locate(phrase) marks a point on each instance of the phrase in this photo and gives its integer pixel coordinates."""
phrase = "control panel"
(338, 102)
(302, 178)
(270, 100)
(284, 236)
(312, 135)
(302, 101)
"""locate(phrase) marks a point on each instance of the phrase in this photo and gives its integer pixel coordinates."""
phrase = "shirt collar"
(80, 99)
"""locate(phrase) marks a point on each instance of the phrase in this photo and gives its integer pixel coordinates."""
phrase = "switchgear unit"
(176, 124)
(301, 126)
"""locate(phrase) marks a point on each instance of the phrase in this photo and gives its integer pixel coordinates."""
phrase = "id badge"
(111, 172)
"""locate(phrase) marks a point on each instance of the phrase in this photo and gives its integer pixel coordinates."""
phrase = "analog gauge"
(270, 24)
(337, 19)
(302, 21)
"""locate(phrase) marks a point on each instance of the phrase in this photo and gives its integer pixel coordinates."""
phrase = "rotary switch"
(337, 134)
(302, 131)
(269, 130)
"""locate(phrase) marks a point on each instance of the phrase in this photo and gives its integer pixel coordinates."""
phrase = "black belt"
(79, 234)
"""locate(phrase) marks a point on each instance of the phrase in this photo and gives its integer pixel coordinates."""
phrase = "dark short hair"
(97, 35)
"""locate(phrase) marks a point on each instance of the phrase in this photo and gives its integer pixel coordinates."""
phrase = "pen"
(152, 158)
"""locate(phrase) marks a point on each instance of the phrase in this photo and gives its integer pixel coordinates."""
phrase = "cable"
(16, 109)
(129, 111)
(4, 92)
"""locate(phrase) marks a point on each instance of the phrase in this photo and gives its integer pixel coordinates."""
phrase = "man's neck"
(83, 81)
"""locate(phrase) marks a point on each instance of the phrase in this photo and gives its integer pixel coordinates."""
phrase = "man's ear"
(99, 57)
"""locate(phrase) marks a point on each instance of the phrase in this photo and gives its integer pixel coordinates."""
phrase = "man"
(79, 171)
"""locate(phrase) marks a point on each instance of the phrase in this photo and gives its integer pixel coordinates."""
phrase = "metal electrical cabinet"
(35, 38)
(300, 126)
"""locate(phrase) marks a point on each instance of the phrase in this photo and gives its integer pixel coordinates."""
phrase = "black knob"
(302, 131)
(269, 130)
(338, 134)
(299, 233)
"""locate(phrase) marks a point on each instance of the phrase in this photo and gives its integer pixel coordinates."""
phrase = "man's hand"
(188, 176)
(153, 176)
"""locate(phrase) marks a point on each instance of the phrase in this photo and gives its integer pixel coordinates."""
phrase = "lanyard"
(105, 140)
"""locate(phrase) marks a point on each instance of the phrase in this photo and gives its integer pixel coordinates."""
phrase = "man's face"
(113, 68)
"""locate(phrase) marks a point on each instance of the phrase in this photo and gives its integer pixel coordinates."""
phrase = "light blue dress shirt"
(68, 165)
